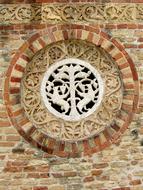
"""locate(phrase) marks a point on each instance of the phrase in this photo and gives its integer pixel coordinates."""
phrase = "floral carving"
(71, 89)
(79, 13)
(60, 128)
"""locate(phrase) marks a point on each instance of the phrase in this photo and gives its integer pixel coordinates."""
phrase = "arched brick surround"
(63, 32)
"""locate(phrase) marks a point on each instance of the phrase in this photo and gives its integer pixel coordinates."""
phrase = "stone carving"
(77, 12)
(59, 127)
(139, 12)
(71, 89)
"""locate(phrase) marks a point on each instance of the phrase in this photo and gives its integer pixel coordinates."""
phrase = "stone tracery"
(57, 127)
(92, 12)
(72, 88)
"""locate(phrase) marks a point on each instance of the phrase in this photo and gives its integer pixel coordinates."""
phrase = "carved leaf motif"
(79, 13)
(50, 13)
(32, 80)
(39, 115)
(93, 12)
(55, 53)
(23, 13)
(70, 12)
(58, 90)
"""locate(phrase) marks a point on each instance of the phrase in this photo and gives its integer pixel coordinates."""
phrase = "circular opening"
(72, 89)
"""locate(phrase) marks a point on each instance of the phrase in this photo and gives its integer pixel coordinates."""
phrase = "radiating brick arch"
(54, 34)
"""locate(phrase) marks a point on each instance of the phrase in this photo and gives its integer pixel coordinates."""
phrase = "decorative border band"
(78, 13)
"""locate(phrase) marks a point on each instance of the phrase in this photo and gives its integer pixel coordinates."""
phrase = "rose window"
(71, 90)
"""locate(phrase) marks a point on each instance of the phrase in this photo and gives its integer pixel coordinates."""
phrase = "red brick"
(15, 79)
(74, 148)
(19, 68)
(90, 37)
(33, 38)
(77, 26)
(122, 188)
(13, 138)
(130, 45)
(100, 41)
(44, 175)
(18, 27)
(126, 107)
(140, 39)
(124, 65)
(43, 44)
(29, 169)
(105, 144)
(129, 86)
(79, 33)
(23, 47)
(134, 162)
(104, 178)
(110, 26)
(7, 144)
(127, 75)
(32, 129)
(118, 56)
(40, 188)
(88, 179)
(42, 168)
(16, 163)
(121, 26)
(65, 34)
(92, 29)
(18, 112)
(70, 174)
(107, 135)
(33, 49)
(57, 175)
(96, 172)
(105, 35)
(132, 26)
(101, 165)
(5, 123)
(135, 182)
(8, 27)
(97, 142)
(61, 146)
(132, 66)
(25, 57)
(118, 45)
(140, 26)
(14, 90)
(140, 46)
(13, 169)
(2, 157)
(64, 27)
(33, 175)
(51, 143)
(115, 127)
(86, 146)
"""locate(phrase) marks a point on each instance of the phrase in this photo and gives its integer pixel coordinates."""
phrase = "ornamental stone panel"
(71, 88)
(73, 12)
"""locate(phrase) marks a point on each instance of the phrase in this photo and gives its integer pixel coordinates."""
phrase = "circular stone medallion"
(109, 114)
(72, 89)
(74, 94)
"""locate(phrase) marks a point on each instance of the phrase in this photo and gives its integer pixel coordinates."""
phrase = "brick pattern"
(16, 70)
(22, 167)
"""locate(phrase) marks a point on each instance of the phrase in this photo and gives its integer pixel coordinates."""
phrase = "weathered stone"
(118, 167)
(56, 187)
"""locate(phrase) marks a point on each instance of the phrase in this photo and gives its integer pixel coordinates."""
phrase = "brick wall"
(119, 166)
